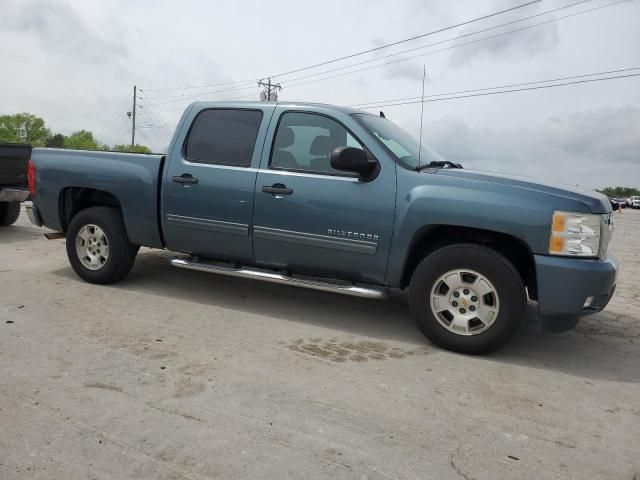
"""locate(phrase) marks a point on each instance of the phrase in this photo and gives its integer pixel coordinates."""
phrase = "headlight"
(576, 234)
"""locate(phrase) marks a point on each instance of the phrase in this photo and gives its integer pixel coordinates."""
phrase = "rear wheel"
(467, 298)
(9, 213)
(98, 247)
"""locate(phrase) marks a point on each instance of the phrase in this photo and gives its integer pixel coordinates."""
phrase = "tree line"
(31, 129)
(620, 192)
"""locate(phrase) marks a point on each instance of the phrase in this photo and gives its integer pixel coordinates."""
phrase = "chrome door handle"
(277, 189)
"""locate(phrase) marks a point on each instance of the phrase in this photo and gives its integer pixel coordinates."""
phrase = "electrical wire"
(512, 22)
(384, 104)
(356, 54)
(361, 105)
(415, 37)
(490, 37)
(190, 87)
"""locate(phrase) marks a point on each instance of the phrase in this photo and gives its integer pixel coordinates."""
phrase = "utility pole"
(133, 118)
(271, 90)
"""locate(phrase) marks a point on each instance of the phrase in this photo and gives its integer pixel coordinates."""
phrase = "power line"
(190, 87)
(364, 105)
(148, 109)
(223, 100)
(415, 37)
(472, 42)
(186, 95)
(115, 116)
(490, 37)
(384, 104)
(363, 52)
(442, 41)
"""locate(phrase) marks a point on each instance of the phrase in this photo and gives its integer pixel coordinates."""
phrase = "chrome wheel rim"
(464, 302)
(92, 247)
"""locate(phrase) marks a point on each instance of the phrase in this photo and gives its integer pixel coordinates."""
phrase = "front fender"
(427, 199)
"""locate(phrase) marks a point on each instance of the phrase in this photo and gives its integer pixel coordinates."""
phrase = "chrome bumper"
(13, 195)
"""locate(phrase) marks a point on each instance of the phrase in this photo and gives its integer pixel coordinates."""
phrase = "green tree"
(620, 192)
(128, 148)
(57, 141)
(81, 140)
(23, 128)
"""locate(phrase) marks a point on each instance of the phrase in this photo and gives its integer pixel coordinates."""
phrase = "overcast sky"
(75, 63)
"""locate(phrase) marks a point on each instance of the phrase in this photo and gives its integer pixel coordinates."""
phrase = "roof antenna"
(424, 75)
(382, 114)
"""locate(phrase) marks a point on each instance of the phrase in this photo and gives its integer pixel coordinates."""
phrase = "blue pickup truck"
(340, 200)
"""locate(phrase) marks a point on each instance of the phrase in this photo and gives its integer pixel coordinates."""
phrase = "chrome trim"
(13, 194)
(220, 166)
(217, 226)
(314, 240)
(373, 292)
(292, 173)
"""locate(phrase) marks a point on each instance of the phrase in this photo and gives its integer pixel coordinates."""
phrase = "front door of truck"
(209, 183)
(310, 218)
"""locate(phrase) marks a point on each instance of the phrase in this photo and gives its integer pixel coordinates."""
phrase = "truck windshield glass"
(402, 145)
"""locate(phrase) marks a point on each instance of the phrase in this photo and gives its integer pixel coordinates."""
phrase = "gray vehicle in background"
(13, 180)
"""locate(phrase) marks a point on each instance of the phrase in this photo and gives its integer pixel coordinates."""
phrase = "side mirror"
(351, 159)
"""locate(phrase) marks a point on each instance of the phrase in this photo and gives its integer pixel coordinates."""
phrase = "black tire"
(122, 254)
(492, 265)
(9, 213)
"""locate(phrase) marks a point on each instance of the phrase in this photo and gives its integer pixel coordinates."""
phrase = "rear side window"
(223, 137)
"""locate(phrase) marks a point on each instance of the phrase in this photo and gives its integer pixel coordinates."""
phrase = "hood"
(595, 202)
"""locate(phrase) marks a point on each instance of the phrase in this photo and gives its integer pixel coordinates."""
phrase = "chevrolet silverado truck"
(13, 180)
(340, 200)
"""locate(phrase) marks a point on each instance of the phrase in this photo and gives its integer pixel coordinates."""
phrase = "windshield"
(398, 142)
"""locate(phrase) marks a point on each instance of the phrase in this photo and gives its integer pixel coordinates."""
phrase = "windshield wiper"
(442, 164)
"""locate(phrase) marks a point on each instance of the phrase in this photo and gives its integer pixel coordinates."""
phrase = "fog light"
(588, 302)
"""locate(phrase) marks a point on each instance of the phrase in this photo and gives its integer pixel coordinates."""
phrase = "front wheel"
(467, 298)
(98, 247)
(9, 213)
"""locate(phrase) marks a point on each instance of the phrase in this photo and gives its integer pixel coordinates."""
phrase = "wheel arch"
(75, 199)
(433, 237)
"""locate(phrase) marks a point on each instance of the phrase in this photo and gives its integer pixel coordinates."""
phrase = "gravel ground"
(184, 375)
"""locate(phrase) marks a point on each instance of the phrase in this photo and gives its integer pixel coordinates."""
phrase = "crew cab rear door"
(210, 180)
(312, 219)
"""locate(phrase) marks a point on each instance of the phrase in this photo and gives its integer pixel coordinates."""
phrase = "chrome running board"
(275, 277)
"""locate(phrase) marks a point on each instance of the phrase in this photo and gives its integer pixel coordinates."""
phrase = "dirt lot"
(182, 375)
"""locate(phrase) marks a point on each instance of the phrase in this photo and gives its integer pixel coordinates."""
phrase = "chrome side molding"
(324, 285)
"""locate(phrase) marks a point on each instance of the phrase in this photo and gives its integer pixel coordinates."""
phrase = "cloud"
(404, 71)
(592, 149)
(526, 43)
(59, 29)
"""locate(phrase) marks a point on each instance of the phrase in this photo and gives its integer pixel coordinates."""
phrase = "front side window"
(223, 137)
(304, 142)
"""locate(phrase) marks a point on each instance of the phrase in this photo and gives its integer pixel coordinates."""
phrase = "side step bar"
(274, 277)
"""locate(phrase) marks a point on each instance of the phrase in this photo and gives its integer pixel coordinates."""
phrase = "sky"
(74, 63)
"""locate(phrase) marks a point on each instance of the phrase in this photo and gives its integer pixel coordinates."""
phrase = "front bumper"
(570, 287)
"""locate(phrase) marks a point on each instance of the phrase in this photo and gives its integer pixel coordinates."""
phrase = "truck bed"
(130, 179)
